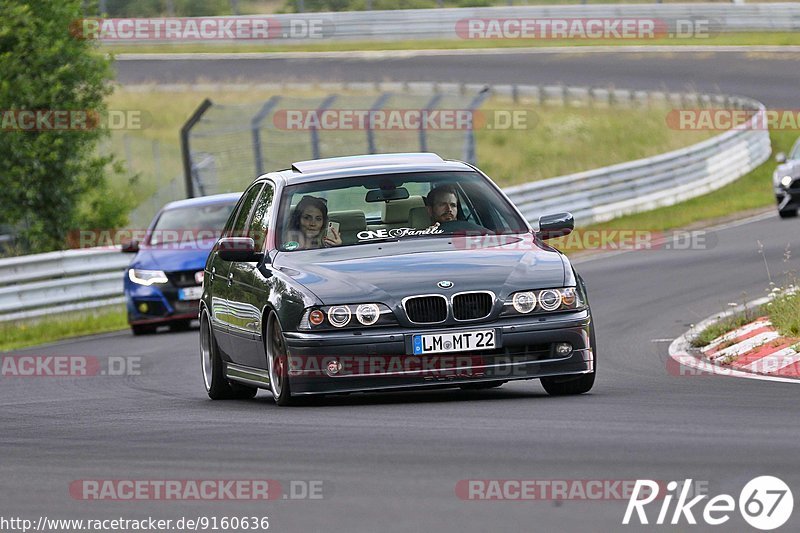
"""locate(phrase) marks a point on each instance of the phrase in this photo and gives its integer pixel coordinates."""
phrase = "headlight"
(545, 300)
(524, 302)
(786, 181)
(341, 316)
(368, 314)
(550, 299)
(147, 277)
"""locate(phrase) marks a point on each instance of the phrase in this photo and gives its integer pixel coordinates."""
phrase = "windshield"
(194, 223)
(367, 209)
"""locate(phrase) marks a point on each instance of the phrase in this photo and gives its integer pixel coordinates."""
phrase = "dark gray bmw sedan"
(389, 272)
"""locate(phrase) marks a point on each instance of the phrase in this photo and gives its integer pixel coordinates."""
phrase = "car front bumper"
(352, 361)
(157, 305)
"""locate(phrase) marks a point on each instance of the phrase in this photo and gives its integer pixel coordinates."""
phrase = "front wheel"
(568, 385)
(217, 385)
(277, 362)
(787, 213)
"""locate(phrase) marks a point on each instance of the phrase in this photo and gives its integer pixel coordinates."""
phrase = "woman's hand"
(332, 238)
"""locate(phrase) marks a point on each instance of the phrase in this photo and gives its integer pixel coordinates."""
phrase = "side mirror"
(556, 225)
(780, 157)
(242, 249)
(130, 247)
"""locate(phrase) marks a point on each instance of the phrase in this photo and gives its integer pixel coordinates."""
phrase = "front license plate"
(454, 342)
(190, 293)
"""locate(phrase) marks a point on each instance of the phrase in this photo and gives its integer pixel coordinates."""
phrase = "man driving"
(442, 204)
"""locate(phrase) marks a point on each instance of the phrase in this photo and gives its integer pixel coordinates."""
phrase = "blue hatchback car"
(164, 281)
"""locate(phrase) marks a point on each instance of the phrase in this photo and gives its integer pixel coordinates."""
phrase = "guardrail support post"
(314, 133)
(255, 125)
(371, 134)
(469, 140)
(423, 140)
(185, 150)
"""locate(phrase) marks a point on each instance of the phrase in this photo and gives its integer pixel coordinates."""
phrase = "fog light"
(143, 307)
(563, 348)
(334, 367)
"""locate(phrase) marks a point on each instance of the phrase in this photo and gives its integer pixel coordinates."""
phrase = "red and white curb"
(755, 350)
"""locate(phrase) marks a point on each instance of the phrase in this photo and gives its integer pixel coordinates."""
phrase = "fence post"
(157, 159)
(375, 107)
(423, 141)
(185, 151)
(469, 140)
(255, 126)
(314, 133)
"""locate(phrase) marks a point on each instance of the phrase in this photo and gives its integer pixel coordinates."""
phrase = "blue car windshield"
(366, 209)
(193, 223)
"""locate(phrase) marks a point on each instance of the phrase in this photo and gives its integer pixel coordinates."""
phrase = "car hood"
(388, 272)
(170, 260)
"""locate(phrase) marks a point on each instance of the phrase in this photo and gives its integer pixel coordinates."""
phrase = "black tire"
(571, 385)
(277, 362)
(568, 385)
(217, 385)
(787, 213)
(482, 386)
(143, 330)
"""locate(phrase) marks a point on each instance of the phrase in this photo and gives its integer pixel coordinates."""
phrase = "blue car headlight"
(147, 277)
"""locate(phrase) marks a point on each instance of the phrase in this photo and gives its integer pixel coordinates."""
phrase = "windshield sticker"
(291, 245)
(396, 233)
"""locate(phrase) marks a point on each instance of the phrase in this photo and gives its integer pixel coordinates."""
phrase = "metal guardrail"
(610, 192)
(415, 24)
(37, 285)
(58, 282)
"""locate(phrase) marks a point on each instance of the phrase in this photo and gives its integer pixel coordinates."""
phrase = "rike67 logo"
(765, 502)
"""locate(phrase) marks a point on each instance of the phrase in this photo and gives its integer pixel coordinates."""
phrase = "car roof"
(227, 198)
(364, 165)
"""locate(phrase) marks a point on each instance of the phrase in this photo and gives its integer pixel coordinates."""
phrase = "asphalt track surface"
(771, 77)
(390, 462)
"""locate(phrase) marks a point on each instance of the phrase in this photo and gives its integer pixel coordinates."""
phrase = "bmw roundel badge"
(444, 284)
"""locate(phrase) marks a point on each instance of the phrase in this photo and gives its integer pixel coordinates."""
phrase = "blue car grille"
(426, 309)
(184, 278)
(472, 305)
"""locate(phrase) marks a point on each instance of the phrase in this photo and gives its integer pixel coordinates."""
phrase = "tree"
(47, 175)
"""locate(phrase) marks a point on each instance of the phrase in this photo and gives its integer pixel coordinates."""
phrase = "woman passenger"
(309, 225)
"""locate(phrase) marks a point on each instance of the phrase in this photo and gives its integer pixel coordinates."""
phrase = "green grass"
(15, 335)
(752, 191)
(555, 140)
(784, 313)
(722, 327)
(726, 39)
